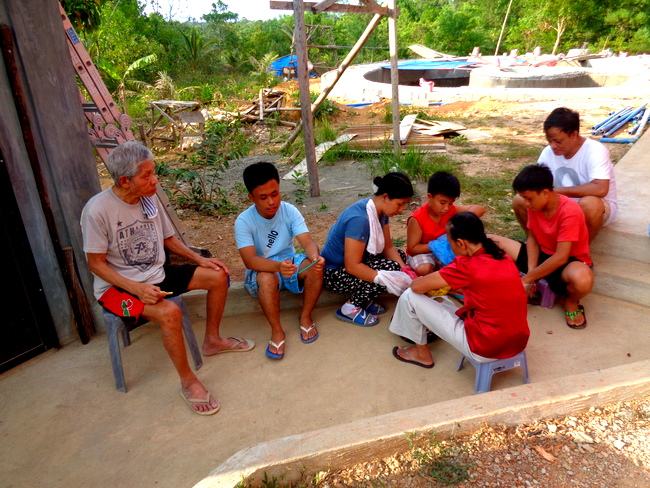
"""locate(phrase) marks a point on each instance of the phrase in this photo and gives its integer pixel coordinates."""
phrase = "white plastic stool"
(115, 325)
(485, 371)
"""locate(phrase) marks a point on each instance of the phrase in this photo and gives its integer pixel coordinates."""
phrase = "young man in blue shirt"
(264, 233)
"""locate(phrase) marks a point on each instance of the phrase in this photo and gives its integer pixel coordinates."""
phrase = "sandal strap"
(365, 318)
(573, 314)
(306, 330)
(277, 346)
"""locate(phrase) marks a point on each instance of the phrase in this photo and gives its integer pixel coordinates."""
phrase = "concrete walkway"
(325, 404)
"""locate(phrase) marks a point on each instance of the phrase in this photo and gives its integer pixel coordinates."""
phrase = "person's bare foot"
(231, 344)
(199, 399)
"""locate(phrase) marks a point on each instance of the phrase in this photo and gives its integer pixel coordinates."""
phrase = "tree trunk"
(561, 27)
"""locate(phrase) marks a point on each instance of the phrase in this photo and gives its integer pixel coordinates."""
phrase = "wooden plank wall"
(63, 146)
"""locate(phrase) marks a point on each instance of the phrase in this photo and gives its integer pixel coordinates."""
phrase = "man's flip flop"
(234, 347)
(306, 330)
(190, 401)
(375, 309)
(274, 355)
(362, 318)
(572, 316)
(410, 360)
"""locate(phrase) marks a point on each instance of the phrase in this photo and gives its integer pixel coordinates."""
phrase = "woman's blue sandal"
(375, 309)
(362, 318)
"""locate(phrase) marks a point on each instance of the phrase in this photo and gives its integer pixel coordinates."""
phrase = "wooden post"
(339, 72)
(305, 101)
(394, 73)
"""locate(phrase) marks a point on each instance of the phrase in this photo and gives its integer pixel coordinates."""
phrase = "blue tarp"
(290, 60)
(430, 64)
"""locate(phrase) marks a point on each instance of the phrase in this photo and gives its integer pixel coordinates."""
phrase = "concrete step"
(622, 278)
(612, 241)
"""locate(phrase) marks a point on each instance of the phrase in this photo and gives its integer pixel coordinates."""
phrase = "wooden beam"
(336, 7)
(322, 6)
(307, 118)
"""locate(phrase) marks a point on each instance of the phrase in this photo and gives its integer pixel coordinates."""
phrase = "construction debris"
(428, 135)
(268, 101)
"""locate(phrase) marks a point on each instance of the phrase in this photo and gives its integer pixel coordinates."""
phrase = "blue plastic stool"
(115, 325)
(484, 371)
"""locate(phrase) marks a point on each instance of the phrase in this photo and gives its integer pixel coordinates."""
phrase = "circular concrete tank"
(442, 78)
(541, 77)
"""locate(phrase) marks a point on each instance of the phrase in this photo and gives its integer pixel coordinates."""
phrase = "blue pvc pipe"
(625, 120)
(609, 118)
(613, 121)
(641, 126)
(616, 139)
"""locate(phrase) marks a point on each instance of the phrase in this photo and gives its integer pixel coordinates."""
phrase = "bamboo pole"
(339, 72)
(503, 28)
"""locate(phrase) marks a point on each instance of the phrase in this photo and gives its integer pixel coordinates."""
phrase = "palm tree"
(125, 77)
(196, 46)
(262, 67)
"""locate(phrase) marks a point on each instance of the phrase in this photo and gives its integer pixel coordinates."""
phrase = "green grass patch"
(505, 149)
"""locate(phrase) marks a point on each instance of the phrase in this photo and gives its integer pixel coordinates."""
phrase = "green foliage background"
(217, 52)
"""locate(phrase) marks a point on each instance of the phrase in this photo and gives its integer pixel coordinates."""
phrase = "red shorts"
(125, 305)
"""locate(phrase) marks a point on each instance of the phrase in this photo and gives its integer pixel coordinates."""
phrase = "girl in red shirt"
(492, 324)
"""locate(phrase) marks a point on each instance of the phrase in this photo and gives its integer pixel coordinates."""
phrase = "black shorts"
(177, 278)
(554, 279)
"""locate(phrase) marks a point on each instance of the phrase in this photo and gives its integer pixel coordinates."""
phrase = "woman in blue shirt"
(359, 245)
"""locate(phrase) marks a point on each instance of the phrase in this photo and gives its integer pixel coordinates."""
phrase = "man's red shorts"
(121, 303)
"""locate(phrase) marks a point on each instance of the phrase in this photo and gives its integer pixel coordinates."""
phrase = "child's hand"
(529, 288)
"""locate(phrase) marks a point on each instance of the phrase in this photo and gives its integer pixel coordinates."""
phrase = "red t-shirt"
(431, 230)
(496, 323)
(567, 224)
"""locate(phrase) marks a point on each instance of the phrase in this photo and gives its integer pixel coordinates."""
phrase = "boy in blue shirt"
(264, 234)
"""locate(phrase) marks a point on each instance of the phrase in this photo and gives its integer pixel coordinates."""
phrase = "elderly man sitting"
(125, 234)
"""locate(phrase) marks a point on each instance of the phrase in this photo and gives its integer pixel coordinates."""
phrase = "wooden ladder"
(107, 126)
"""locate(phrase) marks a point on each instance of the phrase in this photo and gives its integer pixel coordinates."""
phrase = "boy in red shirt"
(428, 222)
(557, 247)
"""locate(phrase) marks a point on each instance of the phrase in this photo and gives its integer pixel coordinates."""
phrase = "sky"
(246, 9)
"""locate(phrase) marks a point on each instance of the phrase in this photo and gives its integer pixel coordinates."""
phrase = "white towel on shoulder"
(376, 240)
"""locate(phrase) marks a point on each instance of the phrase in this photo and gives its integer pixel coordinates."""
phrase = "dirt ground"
(516, 130)
(606, 446)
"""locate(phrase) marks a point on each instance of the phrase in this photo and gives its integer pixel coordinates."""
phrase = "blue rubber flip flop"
(362, 318)
(375, 309)
(274, 355)
(306, 331)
